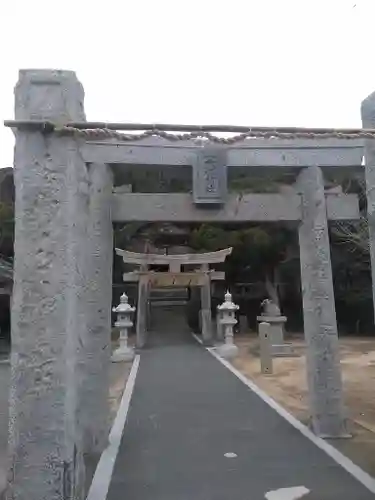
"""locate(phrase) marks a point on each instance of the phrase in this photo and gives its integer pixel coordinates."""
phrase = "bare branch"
(354, 234)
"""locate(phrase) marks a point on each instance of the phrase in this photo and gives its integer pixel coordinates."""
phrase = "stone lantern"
(227, 319)
(124, 312)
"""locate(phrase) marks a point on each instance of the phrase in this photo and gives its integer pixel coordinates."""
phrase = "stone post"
(368, 121)
(265, 343)
(142, 308)
(206, 319)
(243, 324)
(49, 297)
(219, 326)
(319, 315)
(94, 405)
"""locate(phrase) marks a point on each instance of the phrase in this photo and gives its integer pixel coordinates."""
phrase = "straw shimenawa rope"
(131, 132)
(105, 133)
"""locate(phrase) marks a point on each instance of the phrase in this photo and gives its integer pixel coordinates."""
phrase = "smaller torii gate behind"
(199, 274)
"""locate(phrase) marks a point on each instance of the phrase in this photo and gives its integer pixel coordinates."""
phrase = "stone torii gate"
(65, 206)
(200, 277)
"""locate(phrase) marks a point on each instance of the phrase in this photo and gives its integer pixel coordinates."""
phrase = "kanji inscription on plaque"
(210, 176)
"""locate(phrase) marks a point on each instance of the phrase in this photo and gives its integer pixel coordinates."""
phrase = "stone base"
(218, 343)
(272, 319)
(122, 354)
(227, 351)
(344, 432)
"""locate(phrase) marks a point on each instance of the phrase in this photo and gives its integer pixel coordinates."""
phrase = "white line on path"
(353, 469)
(293, 493)
(198, 339)
(103, 473)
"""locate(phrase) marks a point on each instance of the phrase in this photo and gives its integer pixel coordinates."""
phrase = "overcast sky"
(249, 62)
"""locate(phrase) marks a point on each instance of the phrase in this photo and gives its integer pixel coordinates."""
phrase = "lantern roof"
(228, 304)
(124, 306)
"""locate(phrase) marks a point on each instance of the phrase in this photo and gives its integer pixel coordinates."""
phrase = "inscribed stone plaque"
(210, 176)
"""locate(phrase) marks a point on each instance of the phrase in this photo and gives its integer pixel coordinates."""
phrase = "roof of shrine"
(187, 258)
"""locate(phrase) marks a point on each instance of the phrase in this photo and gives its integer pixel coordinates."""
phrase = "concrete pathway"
(196, 432)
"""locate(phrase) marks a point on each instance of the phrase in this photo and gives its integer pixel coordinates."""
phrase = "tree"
(351, 265)
(259, 252)
(6, 229)
(354, 235)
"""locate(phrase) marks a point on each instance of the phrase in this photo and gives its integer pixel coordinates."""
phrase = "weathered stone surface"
(265, 153)
(177, 279)
(179, 207)
(97, 347)
(227, 312)
(265, 348)
(206, 317)
(323, 363)
(145, 259)
(124, 322)
(49, 299)
(227, 351)
(219, 328)
(46, 95)
(368, 121)
(142, 310)
(279, 347)
(243, 324)
(276, 327)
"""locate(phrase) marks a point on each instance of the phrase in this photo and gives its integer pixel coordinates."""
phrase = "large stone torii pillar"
(368, 121)
(59, 318)
(97, 350)
(319, 314)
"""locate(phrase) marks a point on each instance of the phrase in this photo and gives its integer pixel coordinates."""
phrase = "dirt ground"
(287, 385)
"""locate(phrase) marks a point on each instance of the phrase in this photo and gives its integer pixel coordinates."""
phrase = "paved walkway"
(187, 412)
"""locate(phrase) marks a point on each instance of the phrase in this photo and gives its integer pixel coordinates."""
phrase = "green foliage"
(124, 233)
(208, 238)
(257, 251)
(6, 229)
